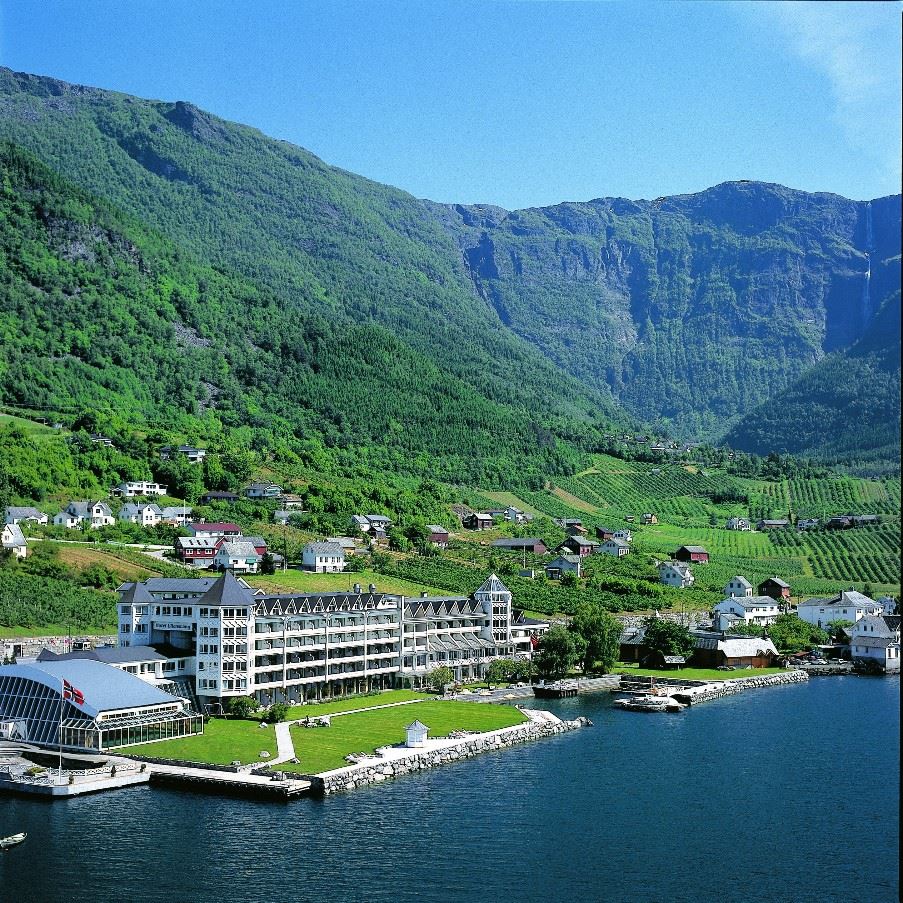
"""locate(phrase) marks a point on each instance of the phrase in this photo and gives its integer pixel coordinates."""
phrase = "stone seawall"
(374, 772)
(694, 695)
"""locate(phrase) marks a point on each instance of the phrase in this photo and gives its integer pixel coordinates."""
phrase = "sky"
(520, 103)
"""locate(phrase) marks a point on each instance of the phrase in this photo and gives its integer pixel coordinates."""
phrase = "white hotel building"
(235, 641)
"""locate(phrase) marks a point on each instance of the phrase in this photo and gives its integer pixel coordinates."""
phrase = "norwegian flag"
(534, 640)
(69, 692)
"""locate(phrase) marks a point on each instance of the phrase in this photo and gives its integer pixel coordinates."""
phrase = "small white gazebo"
(416, 734)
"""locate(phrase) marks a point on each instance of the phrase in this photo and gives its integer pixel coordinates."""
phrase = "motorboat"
(650, 703)
(12, 840)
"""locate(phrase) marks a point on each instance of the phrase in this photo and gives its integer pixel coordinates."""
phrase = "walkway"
(285, 748)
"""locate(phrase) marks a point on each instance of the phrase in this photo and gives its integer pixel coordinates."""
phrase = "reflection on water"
(735, 800)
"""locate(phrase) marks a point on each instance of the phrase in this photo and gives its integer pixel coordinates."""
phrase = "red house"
(695, 554)
(578, 545)
(438, 536)
(775, 588)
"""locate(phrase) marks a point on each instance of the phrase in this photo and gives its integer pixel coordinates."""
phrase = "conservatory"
(82, 704)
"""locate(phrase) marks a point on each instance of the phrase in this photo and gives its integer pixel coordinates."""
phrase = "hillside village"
(552, 559)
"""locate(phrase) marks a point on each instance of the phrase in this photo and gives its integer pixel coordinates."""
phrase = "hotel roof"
(104, 687)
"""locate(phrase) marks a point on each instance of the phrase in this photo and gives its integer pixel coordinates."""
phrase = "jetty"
(563, 689)
(228, 781)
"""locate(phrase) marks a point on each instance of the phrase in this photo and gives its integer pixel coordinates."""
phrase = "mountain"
(101, 314)
(690, 312)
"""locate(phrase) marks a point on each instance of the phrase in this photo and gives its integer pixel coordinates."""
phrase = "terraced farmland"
(817, 562)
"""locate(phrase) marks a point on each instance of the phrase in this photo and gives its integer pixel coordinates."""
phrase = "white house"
(674, 573)
(848, 606)
(176, 514)
(16, 515)
(96, 514)
(616, 547)
(134, 488)
(263, 491)
(738, 587)
(192, 454)
(623, 535)
(563, 564)
(875, 642)
(759, 610)
(323, 557)
(14, 540)
(238, 556)
(145, 515)
(738, 523)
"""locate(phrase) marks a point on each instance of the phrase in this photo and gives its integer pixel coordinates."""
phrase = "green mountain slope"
(100, 313)
(846, 407)
(689, 311)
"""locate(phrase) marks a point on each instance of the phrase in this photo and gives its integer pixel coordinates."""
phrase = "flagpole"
(60, 735)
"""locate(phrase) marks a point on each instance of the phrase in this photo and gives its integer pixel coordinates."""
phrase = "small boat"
(650, 703)
(12, 840)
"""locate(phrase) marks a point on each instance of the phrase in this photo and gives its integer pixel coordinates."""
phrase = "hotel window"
(141, 628)
(140, 610)
(125, 628)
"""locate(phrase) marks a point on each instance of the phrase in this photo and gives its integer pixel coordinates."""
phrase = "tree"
(439, 677)
(559, 651)
(499, 671)
(569, 578)
(836, 629)
(791, 633)
(267, 564)
(276, 712)
(668, 637)
(601, 634)
(241, 706)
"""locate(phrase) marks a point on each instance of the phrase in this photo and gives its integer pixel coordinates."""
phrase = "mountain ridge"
(670, 309)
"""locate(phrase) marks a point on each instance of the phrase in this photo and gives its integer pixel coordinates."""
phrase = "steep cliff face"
(692, 309)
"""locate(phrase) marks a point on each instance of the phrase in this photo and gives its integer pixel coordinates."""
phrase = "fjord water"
(781, 794)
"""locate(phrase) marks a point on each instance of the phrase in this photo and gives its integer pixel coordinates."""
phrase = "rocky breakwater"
(694, 695)
(391, 762)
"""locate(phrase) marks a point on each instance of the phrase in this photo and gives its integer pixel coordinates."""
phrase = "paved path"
(285, 748)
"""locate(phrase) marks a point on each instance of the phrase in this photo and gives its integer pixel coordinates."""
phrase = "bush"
(276, 712)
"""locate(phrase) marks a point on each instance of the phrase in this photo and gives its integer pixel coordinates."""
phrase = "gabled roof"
(417, 725)
(750, 601)
(517, 543)
(436, 528)
(18, 511)
(570, 559)
(777, 581)
(227, 591)
(13, 537)
(324, 548)
(696, 549)
(135, 594)
(240, 548)
(741, 580)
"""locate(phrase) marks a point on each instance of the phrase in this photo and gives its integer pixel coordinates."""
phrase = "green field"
(322, 749)
(698, 673)
(348, 703)
(221, 743)
(817, 562)
(304, 581)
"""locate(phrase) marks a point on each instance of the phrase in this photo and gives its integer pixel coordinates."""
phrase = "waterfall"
(866, 305)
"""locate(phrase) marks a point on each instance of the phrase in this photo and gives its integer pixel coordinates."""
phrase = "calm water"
(783, 794)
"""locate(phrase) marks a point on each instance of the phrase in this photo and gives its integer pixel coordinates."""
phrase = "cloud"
(856, 46)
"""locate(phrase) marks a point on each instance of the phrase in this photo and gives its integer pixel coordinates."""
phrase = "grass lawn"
(221, 743)
(348, 703)
(286, 581)
(699, 673)
(324, 748)
(57, 630)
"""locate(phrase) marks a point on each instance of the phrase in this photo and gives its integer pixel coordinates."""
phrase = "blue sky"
(517, 103)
